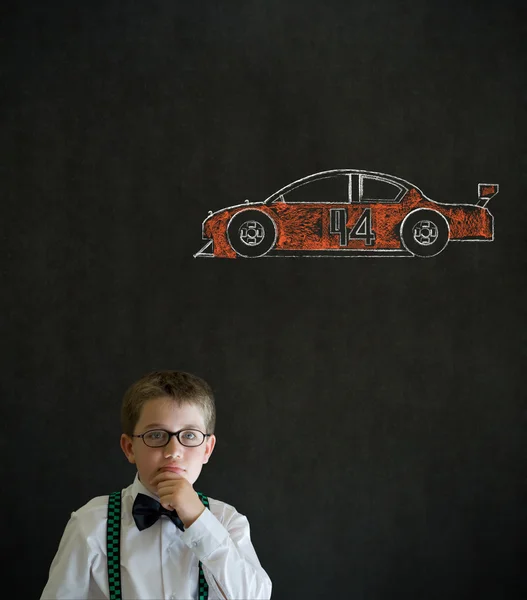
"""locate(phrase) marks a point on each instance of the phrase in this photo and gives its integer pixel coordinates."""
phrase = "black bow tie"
(147, 510)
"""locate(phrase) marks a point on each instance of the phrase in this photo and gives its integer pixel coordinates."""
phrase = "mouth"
(173, 469)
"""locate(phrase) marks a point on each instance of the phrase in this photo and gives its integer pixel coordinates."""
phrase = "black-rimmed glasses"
(157, 438)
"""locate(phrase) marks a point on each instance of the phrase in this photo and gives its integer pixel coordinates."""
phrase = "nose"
(173, 448)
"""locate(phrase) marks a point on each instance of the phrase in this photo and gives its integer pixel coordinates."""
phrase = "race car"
(346, 212)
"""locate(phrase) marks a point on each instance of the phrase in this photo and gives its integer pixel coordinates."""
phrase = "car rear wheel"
(424, 233)
(251, 233)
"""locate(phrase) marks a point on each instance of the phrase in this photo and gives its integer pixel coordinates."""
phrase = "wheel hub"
(425, 232)
(251, 233)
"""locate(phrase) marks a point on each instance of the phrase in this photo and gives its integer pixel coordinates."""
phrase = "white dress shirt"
(161, 561)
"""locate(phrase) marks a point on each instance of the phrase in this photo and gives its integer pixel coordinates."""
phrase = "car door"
(381, 210)
(304, 210)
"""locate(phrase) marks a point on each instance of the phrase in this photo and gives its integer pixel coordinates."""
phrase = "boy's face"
(165, 413)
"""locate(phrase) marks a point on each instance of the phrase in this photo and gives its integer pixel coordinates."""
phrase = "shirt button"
(194, 544)
(173, 597)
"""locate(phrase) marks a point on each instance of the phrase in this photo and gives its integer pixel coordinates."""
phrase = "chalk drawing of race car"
(346, 212)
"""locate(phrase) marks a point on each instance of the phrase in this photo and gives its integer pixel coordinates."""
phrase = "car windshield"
(325, 189)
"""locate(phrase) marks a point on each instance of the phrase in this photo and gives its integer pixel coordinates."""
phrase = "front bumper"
(207, 251)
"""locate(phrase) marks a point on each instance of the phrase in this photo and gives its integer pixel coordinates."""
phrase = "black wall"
(371, 412)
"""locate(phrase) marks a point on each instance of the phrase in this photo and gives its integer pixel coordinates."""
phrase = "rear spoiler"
(486, 191)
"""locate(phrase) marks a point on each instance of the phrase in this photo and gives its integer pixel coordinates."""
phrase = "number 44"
(362, 230)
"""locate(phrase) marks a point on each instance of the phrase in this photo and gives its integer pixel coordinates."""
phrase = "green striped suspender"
(113, 545)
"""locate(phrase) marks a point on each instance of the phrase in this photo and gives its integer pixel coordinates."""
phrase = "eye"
(188, 435)
(155, 435)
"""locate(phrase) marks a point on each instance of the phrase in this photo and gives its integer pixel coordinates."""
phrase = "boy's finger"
(166, 476)
(165, 487)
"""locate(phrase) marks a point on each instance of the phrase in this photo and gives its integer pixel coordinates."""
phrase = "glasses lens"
(156, 438)
(191, 437)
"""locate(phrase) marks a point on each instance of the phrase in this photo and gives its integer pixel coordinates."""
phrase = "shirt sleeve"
(228, 557)
(69, 574)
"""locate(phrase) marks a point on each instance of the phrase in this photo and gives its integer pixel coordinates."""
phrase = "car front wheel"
(251, 233)
(424, 233)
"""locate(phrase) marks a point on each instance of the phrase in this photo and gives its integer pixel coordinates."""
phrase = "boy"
(170, 544)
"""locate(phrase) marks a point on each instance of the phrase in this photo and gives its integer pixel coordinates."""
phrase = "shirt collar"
(139, 488)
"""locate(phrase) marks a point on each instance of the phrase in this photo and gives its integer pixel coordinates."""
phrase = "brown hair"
(182, 387)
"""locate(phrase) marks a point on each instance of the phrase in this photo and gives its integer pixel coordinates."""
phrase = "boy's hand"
(176, 493)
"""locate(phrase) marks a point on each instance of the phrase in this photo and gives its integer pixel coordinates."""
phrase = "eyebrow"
(163, 426)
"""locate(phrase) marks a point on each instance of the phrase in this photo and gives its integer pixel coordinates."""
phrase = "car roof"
(332, 172)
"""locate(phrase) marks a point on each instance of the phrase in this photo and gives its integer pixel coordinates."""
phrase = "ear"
(128, 448)
(209, 447)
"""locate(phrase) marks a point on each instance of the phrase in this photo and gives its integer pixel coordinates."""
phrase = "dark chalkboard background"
(371, 411)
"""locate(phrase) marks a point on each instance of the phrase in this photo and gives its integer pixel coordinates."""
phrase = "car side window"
(334, 189)
(379, 190)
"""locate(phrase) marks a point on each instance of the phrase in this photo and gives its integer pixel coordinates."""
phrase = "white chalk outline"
(403, 185)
